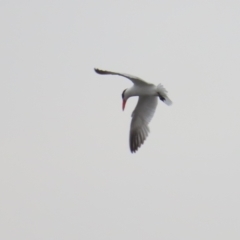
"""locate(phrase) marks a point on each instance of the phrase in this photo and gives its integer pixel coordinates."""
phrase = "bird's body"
(140, 91)
(148, 99)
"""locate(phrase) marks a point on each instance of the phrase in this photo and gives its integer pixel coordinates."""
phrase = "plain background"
(66, 171)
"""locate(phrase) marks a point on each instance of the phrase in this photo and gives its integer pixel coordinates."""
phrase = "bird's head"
(124, 98)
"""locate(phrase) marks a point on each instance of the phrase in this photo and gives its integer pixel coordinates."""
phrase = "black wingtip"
(99, 71)
(96, 70)
(136, 141)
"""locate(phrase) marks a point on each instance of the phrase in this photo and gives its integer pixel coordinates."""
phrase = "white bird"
(147, 102)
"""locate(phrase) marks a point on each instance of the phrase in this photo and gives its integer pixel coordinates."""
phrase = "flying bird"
(147, 103)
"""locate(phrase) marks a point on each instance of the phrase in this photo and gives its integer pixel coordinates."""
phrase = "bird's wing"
(135, 80)
(141, 116)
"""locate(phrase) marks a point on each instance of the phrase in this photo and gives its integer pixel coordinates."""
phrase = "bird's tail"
(162, 93)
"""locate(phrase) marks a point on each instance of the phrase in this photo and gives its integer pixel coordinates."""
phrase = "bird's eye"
(123, 93)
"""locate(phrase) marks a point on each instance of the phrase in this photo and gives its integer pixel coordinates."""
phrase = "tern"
(147, 103)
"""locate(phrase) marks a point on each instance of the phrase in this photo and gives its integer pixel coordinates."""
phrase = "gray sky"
(66, 170)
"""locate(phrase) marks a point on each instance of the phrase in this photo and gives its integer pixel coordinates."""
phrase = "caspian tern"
(147, 102)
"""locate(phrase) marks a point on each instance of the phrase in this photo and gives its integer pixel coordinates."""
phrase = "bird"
(148, 94)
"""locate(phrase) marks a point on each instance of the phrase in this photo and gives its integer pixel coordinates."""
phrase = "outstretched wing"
(141, 117)
(135, 80)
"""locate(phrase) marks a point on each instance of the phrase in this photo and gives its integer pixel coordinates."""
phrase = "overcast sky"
(66, 171)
